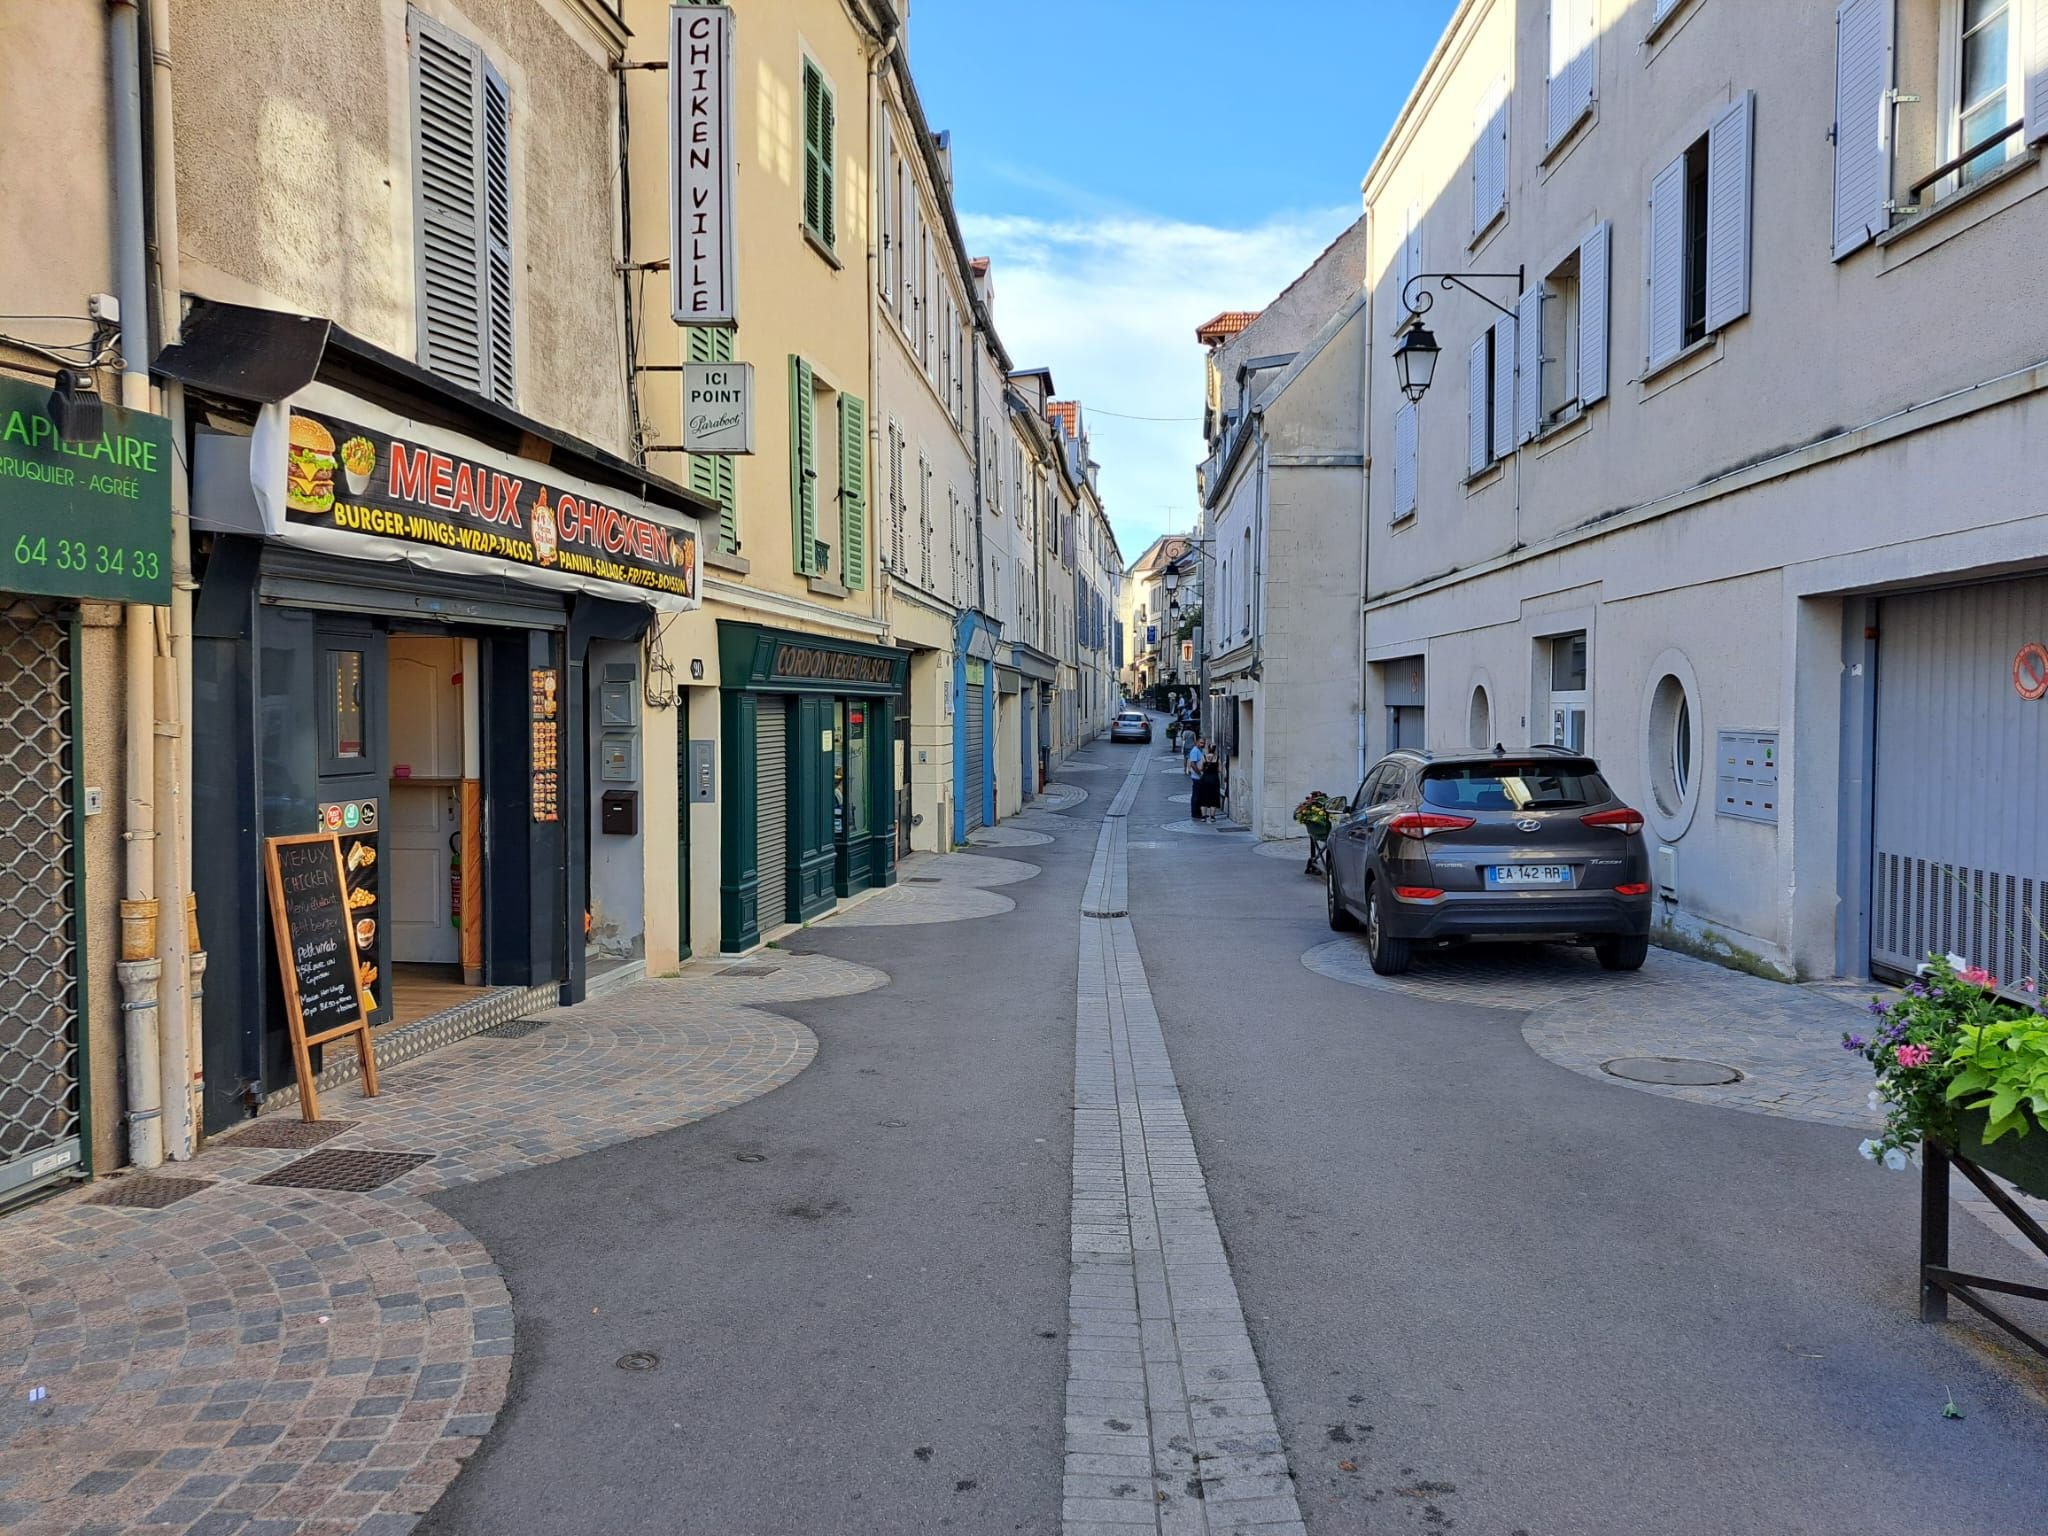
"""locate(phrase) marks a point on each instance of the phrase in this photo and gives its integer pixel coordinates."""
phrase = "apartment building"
(1726, 474)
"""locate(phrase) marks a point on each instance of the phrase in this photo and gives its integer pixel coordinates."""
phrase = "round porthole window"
(1671, 746)
(1479, 723)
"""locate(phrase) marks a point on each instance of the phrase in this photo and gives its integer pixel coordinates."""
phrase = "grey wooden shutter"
(1728, 211)
(1404, 461)
(1503, 386)
(2034, 40)
(897, 505)
(1529, 364)
(1573, 25)
(1478, 395)
(1595, 300)
(497, 225)
(1667, 263)
(924, 519)
(1585, 73)
(448, 128)
(1863, 77)
(1490, 158)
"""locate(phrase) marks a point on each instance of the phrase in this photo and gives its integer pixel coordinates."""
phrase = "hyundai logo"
(1528, 826)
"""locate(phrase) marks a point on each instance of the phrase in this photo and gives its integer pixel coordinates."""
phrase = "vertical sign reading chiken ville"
(700, 146)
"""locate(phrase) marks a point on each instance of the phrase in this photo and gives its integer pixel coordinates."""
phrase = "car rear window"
(1130, 719)
(1512, 784)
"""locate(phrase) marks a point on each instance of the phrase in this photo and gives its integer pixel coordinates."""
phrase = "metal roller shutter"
(40, 1121)
(1959, 834)
(771, 775)
(977, 753)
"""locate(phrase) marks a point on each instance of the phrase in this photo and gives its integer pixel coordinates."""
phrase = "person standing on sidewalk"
(1209, 786)
(1194, 773)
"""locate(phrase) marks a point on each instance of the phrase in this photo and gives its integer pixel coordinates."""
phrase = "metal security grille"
(977, 754)
(40, 1112)
(1959, 838)
(771, 779)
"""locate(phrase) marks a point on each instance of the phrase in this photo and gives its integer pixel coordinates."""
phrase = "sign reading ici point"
(718, 407)
(701, 217)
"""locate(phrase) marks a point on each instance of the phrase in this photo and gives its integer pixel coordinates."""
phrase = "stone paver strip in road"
(1168, 1427)
(298, 1362)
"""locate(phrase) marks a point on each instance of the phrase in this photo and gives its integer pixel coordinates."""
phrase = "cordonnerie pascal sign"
(343, 476)
(814, 664)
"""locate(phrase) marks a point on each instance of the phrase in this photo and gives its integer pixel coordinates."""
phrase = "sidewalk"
(264, 1355)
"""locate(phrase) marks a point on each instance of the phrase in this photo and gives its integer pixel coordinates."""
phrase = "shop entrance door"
(902, 781)
(424, 824)
(977, 752)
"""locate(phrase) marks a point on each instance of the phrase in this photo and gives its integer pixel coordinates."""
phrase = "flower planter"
(2022, 1160)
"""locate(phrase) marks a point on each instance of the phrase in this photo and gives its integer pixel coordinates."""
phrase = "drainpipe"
(881, 598)
(139, 969)
(178, 941)
(1364, 515)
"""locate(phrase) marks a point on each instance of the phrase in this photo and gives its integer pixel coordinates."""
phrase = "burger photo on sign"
(309, 467)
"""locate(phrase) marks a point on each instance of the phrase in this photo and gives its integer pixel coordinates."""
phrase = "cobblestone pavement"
(284, 1361)
(1784, 1040)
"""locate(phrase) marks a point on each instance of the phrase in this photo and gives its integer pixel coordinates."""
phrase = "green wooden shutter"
(828, 166)
(714, 475)
(817, 154)
(803, 471)
(853, 489)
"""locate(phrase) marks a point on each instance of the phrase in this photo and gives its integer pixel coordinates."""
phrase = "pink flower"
(1977, 976)
(1914, 1055)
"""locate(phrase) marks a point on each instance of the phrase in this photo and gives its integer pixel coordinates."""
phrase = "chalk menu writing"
(309, 903)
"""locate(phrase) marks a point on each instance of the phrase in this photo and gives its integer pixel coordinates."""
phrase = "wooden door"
(420, 829)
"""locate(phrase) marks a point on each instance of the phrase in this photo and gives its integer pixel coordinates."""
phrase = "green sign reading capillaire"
(89, 519)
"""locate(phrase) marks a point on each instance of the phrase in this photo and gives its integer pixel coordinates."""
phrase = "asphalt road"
(1518, 1300)
(865, 1332)
(1510, 1298)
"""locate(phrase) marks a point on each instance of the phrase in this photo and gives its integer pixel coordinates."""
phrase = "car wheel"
(1389, 956)
(1340, 915)
(1626, 953)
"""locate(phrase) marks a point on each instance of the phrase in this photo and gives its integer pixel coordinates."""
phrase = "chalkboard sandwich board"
(316, 952)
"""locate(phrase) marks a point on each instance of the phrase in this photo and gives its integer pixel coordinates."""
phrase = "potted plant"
(1962, 1068)
(1318, 813)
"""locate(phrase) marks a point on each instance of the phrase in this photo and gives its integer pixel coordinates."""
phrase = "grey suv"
(1524, 845)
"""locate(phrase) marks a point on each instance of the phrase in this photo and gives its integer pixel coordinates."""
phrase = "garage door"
(977, 753)
(1959, 834)
(771, 791)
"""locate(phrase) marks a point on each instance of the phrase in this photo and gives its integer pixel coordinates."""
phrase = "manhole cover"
(1119, 912)
(148, 1194)
(750, 1157)
(517, 1029)
(744, 971)
(638, 1360)
(1671, 1071)
(348, 1168)
(286, 1133)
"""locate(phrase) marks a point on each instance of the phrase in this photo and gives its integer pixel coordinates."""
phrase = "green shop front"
(809, 802)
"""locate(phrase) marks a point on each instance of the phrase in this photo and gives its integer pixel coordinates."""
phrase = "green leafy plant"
(1950, 1038)
(1319, 812)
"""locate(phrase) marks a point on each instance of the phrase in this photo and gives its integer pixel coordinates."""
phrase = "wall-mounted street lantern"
(1415, 358)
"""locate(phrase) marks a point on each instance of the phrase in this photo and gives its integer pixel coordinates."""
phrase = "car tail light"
(1628, 823)
(1417, 892)
(1637, 888)
(1422, 823)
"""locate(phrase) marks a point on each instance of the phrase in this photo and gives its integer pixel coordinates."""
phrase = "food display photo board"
(316, 954)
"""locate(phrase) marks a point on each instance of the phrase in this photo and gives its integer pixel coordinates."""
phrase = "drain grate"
(1671, 1071)
(282, 1132)
(922, 880)
(516, 1029)
(744, 971)
(349, 1168)
(148, 1194)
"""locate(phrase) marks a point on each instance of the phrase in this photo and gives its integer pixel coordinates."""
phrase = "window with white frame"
(1574, 67)
(1699, 235)
(1565, 666)
(821, 163)
(1407, 265)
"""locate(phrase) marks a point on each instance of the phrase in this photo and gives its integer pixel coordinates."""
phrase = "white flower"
(1876, 1101)
(1868, 1150)
(1895, 1159)
(1956, 962)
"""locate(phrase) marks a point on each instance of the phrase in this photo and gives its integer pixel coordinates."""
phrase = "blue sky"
(1134, 166)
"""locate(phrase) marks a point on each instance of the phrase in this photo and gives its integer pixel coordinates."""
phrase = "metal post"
(1933, 1230)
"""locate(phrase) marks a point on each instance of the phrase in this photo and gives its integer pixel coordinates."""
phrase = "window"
(1671, 745)
(1699, 235)
(821, 216)
(898, 507)
(886, 272)
(853, 490)
(1574, 69)
(809, 555)
(1567, 664)
(1407, 266)
(1987, 86)
(924, 520)
(1404, 461)
(714, 475)
(1544, 784)
(1244, 579)
(1490, 157)
(462, 173)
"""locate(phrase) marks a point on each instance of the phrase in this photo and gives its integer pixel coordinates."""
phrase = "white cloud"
(1110, 305)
